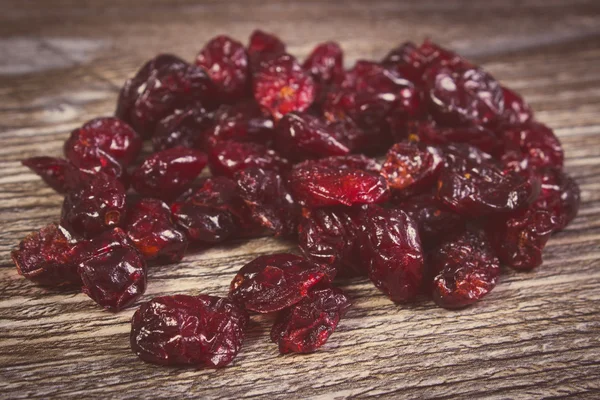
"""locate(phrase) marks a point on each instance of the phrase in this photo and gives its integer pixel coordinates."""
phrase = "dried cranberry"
(168, 173)
(391, 252)
(185, 127)
(226, 157)
(320, 183)
(46, 257)
(188, 330)
(273, 282)
(53, 170)
(464, 269)
(411, 167)
(346, 131)
(151, 229)
(243, 121)
(326, 65)
(306, 326)
(516, 111)
(559, 195)
(460, 93)
(301, 136)
(113, 272)
(353, 161)
(226, 62)
(474, 185)
(95, 204)
(269, 200)
(263, 46)
(411, 61)
(281, 86)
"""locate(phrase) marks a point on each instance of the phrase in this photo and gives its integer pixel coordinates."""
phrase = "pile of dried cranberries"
(470, 181)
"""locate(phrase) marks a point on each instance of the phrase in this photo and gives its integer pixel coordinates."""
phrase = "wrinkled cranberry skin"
(352, 161)
(52, 170)
(269, 200)
(150, 228)
(321, 183)
(326, 66)
(411, 61)
(95, 204)
(188, 330)
(346, 131)
(46, 257)
(273, 282)
(519, 240)
(226, 62)
(475, 186)
(244, 122)
(306, 326)
(559, 195)
(168, 173)
(516, 110)
(227, 157)
(391, 251)
(281, 86)
(113, 272)
(301, 136)
(263, 46)
(185, 127)
(461, 94)
(464, 269)
(411, 167)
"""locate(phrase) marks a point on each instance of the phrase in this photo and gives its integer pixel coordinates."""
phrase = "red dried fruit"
(273, 282)
(113, 272)
(184, 127)
(306, 326)
(411, 167)
(263, 46)
(462, 94)
(352, 161)
(411, 61)
(151, 229)
(188, 330)
(474, 185)
(46, 257)
(391, 252)
(301, 136)
(168, 173)
(519, 240)
(559, 195)
(326, 183)
(464, 268)
(326, 66)
(351, 135)
(243, 122)
(226, 62)
(269, 200)
(281, 86)
(516, 110)
(54, 171)
(96, 203)
(226, 157)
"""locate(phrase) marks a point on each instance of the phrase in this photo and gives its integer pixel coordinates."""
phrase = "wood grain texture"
(536, 335)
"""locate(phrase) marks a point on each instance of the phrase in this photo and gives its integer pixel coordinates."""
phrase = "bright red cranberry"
(54, 171)
(274, 282)
(46, 257)
(188, 330)
(226, 157)
(559, 195)
(226, 62)
(185, 127)
(244, 121)
(306, 326)
(281, 86)
(168, 173)
(113, 272)
(516, 110)
(263, 46)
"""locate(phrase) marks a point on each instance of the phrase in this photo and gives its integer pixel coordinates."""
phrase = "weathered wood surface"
(537, 335)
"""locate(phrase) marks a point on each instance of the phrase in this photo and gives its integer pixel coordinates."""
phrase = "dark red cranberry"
(52, 170)
(411, 61)
(95, 204)
(464, 269)
(168, 173)
(244, 122)
(113, 272)
(352, 161)
(391, 252)
(274, 282)
(411, 167)
(516, 110)
(306, 326)
(226, 62)
(226, 157)
(269, 200)
(263, 46)
(326, 65)
(151, 229)
(188, 330)
(46, 257)
(559, 195)
(281, 86)
(346, 131)
(325, 183)
(185, 127)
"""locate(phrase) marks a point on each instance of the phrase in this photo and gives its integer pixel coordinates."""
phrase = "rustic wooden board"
(537, 335)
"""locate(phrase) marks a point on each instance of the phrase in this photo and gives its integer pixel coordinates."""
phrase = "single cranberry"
(46, 257)
(559, 195)
(357, 140)
(352, 161)
(516, 110)
(185, 127)
(54, 171)
(168, 173)
(263, 46)
(243, 121)
(188, 330)
(326, 66)
(307, 325)
(274, 282)
(226, 157)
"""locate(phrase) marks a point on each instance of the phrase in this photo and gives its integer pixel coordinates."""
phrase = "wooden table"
(538, 334)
